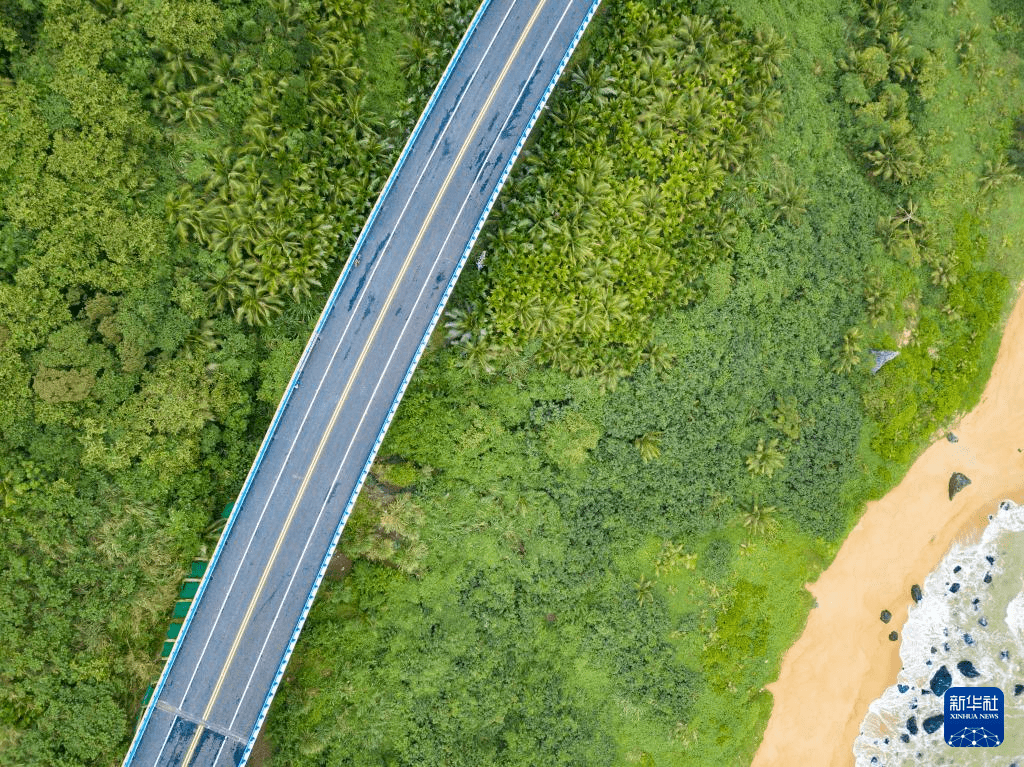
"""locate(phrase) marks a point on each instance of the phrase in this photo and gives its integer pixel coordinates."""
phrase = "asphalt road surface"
(214, 693)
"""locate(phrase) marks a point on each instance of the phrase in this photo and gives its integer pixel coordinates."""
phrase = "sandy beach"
(844, 660)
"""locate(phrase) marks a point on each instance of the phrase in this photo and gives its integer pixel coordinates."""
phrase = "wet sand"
(844, 660)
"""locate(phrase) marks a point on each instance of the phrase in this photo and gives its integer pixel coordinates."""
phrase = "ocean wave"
(966, 630)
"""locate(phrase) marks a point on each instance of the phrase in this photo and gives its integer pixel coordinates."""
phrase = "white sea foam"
(961, 617)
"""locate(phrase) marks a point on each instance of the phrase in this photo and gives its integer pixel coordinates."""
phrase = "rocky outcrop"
(957, 482)
(942, 680)
(967, 668)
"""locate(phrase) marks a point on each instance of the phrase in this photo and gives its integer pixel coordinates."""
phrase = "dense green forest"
(649, 417)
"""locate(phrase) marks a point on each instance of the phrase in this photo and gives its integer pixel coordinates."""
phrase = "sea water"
(972, 609)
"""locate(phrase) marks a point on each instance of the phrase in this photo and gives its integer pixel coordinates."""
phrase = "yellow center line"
(348, 386)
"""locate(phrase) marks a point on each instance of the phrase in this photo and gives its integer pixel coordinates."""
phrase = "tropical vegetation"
(647, 420)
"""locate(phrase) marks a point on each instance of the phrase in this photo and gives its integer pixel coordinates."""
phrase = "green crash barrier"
(189, 589)
(145, 702)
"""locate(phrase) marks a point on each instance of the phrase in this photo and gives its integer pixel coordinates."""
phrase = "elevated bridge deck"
(228, 660)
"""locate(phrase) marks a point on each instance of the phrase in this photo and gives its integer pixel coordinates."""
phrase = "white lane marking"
(337, 348)
(216, 756)
(166, 741)
(291, 581)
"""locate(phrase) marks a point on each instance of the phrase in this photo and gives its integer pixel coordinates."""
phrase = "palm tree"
(184, 71)
(907, 217)
(299, 279)
(649, 445)
(644, 590)
(944, 272)
(894, 160)
(768, 52)
(257, 306)
(591, 317)
(765, 459)
(480, 354)
(557, 354)
(848, 356)
(180, 207)
(223, 290)
(659, 357)
(965, 46)
(758, 518)
(767, 112)
(599, 272)
(879, 297)
(462, 323)
(996, 173)
(882, 17)
(609, 375)
(550, 317)
(617, 306)
(901, 61)
(787, 417)
(415, 57)
(695, 32)
(196, 107)
(595, 82)
(788, 199)
(204, 335)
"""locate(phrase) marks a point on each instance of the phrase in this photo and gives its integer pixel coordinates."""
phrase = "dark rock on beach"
(941, 681)
(988, 578)
(893, 636)
(886, 616)
(912, 725)
(983, 621)
(951, 437)
(932, 723)
(968, 639)
(915, 593)
(954, 588)
(902, 687)
(957, 482)
(967, 668)
(1018, 689)
(991, 559)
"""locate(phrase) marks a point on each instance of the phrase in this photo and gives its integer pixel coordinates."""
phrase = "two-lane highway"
(214, 693)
